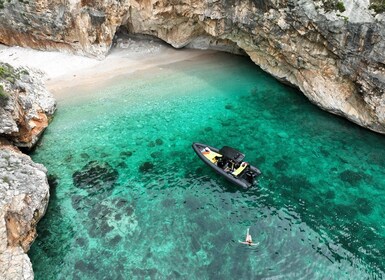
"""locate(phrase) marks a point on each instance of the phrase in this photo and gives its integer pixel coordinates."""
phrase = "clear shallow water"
(131, 200)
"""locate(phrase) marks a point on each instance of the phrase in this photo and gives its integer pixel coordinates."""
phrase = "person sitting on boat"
(226, 165)
(206, 151)
(231, 167)
(220, 162)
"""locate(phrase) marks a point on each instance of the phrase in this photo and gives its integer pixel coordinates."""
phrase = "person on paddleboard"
(249, 240)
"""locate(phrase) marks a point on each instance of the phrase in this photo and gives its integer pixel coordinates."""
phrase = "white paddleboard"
(246, 243)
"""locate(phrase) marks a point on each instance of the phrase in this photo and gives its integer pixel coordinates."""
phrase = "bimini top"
(232, 154)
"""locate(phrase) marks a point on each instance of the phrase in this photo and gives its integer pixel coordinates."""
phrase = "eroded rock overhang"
(334, 56)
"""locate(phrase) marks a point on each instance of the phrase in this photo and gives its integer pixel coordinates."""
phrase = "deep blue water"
(131, 200)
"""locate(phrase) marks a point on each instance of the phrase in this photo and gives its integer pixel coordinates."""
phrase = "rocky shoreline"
(24, 195)
(334, 55)
(26, 107)
(25, 110)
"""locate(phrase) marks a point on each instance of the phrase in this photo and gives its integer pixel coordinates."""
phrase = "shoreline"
(64, 72)
(64, 76)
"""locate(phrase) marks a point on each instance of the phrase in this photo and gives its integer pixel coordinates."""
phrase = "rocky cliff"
(332, 50)
(25, 107)
(24, 194)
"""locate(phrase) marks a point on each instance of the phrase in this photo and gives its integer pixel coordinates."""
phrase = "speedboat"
(229, 163)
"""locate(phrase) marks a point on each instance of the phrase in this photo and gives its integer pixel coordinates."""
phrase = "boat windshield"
(232, 154)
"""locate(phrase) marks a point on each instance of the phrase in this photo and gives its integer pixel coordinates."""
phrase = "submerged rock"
(84, 156)
(126, 154)
(157, 154)
(109, 215)
(352, 177)
(281, 165)
(364, 205)
(159, 141)
(95, 176)
(146, 167)
(24, 194)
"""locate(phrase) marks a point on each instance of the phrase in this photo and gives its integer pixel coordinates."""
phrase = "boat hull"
(239, 181)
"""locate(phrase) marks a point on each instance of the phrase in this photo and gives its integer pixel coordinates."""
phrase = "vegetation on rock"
(9, 75)
(340, 7)
(2, 2)
(377, 5)
(332, 5)
(3, 94)
(7, 72)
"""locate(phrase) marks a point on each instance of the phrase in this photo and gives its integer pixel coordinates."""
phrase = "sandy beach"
(63, 71)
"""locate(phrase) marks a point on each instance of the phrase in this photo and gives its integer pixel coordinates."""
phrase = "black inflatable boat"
(229, 163)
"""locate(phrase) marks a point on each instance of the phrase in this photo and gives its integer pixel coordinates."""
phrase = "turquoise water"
(131, 200)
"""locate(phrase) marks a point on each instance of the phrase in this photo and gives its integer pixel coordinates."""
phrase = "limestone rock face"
(84, 26)
(25, 106)
(24, 194)
(334, 56)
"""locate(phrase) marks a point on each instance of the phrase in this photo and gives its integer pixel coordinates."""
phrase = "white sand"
(66, 71)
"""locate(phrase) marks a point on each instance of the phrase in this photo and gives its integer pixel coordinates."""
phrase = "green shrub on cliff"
(2, 2)
(3, 94)
(7, 72)
(377, 5)
(340, 7)
(333, 5)
(10, 74)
